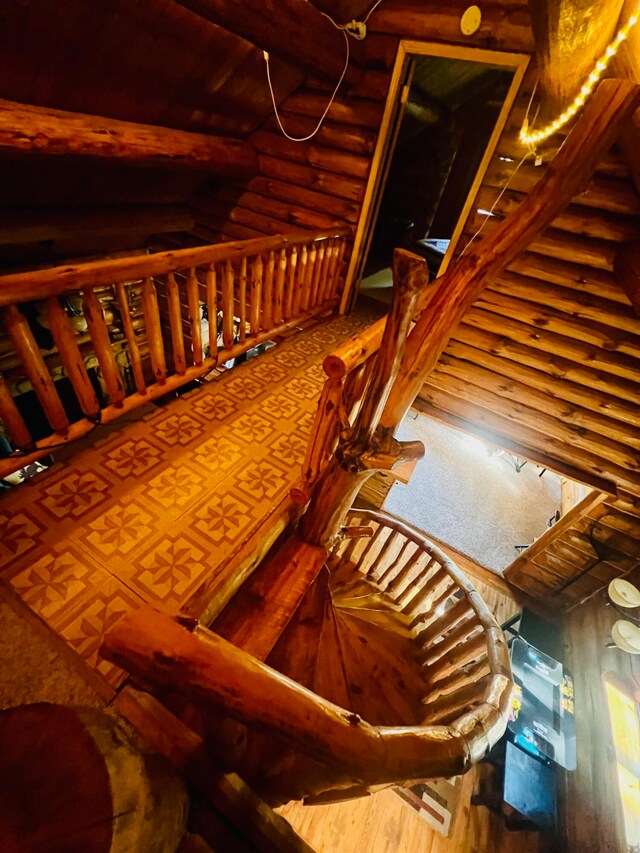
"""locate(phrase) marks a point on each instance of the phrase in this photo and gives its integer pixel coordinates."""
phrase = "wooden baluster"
(65, 340)
(436, 590)
(281, 271)
(458, 635)
(463, 654)
(383, 554)
(430, 582)
(257, 271)
(228, 307)
(439, 596)
(324, 274)
(99, 332)
(175, 320)
(154, 330)
(130, 335)
(396, 586)
(300, 281)
(242, 298)
(211, 280)
(366, 556)
(292, 268)
(449, 619)
(195, 315)
(337, 272)
(29, 354)
(466, 675)
(267, 306)
(332, 264)
(324, 431)
(312, 257)
(447, 708)
(12, 419)
(354, 544)
(315, 285)
(397, 565)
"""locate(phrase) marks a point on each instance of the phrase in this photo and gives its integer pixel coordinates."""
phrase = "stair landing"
(150, 511)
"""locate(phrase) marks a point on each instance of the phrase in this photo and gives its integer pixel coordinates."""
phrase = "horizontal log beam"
(34, 226)
(40, 130)
(518, 439)
(620, 369)
(569, 436)
(292, 30)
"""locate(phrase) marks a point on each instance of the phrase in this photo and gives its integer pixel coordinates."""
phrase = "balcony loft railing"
(94, 341)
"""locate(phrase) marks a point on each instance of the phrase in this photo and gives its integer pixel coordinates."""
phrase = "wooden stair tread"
(330, 679)
(379, 690)
(295, 652)
(398, 651)
(396, 624)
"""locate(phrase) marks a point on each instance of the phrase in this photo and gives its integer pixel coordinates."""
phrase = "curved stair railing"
(128, 330)
(464, 657)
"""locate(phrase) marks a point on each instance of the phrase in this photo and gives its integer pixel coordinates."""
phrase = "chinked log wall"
(322, 183)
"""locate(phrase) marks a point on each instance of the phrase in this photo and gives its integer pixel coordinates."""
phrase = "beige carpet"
(471, 498)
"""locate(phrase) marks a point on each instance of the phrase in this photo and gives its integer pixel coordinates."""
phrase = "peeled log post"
(357, 457)
(12, 419)
(592, 135)
(17, 328)
(39, 130)
(65, 340)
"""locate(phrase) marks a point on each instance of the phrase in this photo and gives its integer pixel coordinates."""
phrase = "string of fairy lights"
(531, 138)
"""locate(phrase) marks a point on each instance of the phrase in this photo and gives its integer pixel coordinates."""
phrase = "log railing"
(129, 330)
(348, 371)
(464, 656)
(466, 666)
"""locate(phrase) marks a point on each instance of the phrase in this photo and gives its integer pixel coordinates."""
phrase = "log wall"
(546, 362)
(322, 183)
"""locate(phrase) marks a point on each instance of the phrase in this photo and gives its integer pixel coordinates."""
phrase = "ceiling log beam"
(570, 37)
(291, 30)
(40, 130)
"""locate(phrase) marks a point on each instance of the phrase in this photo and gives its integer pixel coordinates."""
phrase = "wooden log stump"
(74, 782)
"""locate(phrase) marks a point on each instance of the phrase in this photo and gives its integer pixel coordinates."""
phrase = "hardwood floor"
(383, 823)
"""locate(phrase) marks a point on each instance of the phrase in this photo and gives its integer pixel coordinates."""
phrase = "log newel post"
(362, 450)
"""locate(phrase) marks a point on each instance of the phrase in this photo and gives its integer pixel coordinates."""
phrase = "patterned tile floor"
(149, 510)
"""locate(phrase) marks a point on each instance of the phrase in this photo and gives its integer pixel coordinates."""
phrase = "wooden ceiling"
(153, 62)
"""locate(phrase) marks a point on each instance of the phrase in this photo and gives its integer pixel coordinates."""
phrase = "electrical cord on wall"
(356, 29)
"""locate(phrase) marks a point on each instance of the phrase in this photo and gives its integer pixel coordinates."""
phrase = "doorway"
(444, 114)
